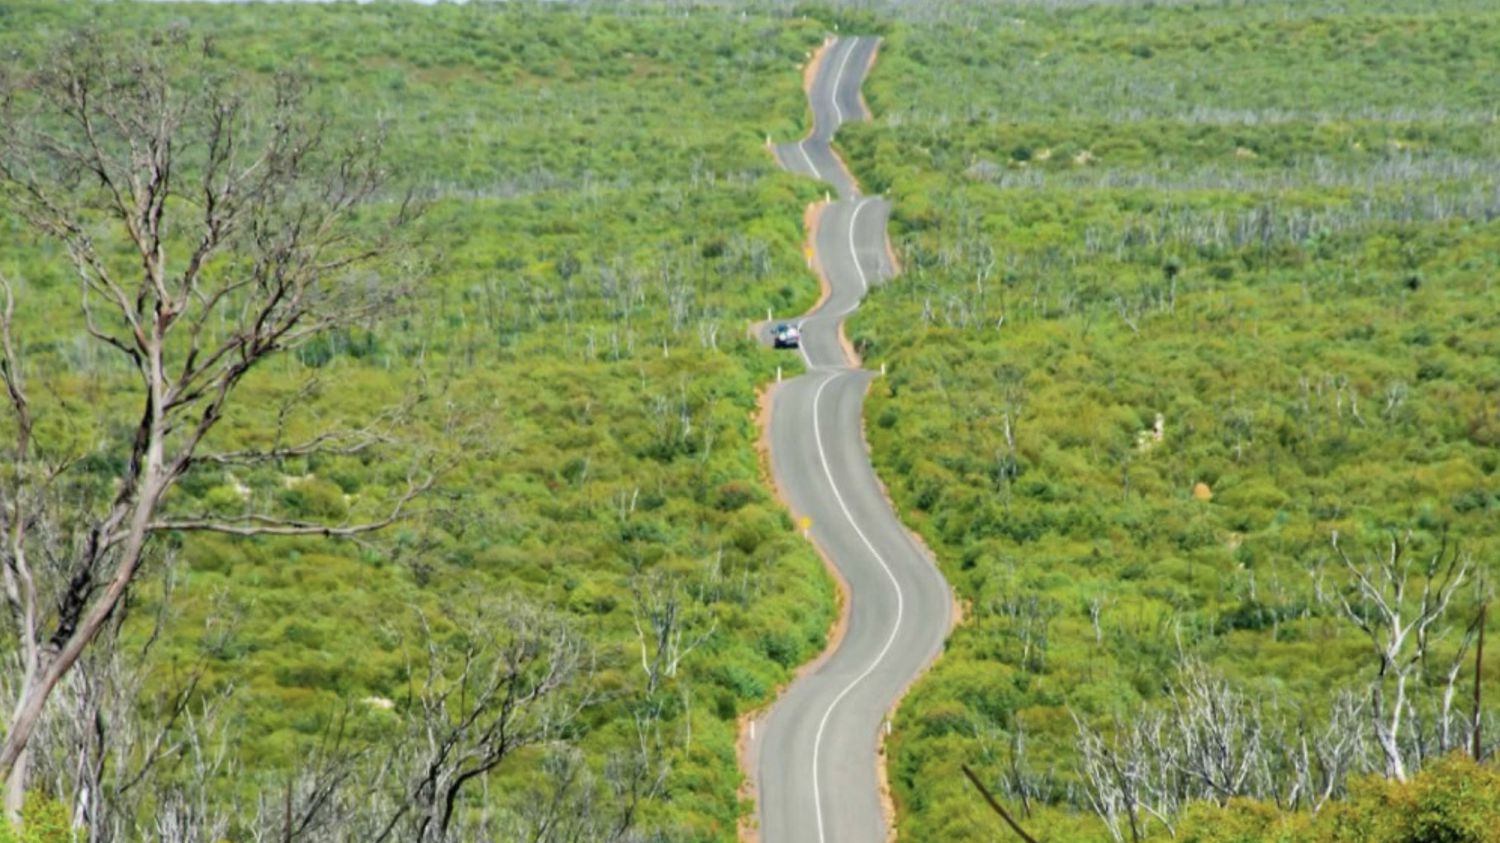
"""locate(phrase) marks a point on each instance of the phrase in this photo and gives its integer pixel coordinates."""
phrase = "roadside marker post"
(778, 374)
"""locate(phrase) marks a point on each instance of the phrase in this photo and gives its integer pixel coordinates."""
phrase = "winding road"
(815, 753)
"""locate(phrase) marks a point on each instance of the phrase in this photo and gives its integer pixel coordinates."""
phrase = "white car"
(786, 336)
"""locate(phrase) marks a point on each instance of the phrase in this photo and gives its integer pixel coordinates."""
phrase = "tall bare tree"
(210, 226)
(1399, 600)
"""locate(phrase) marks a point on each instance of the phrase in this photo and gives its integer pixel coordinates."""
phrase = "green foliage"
(1275, 226)
(601, 223)
(43, 820)
(1452, 801)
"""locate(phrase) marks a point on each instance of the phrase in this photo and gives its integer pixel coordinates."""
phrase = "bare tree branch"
(238, 211)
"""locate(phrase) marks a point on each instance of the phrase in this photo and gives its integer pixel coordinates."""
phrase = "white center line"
(839, 78)
(819, 315)
(864, 284)
(895, 628)
(805, 157)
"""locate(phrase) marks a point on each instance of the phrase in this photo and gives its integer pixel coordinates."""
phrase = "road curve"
(815, 750)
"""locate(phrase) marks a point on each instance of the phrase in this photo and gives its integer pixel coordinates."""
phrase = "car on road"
(786, 336)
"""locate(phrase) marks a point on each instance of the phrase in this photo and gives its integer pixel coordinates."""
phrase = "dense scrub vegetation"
(601, 223)
(1454, 799)
(1188, 292)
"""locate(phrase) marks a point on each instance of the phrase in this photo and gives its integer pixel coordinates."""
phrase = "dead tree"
(149, 747)
(569, 803)
(1446, 719)
(1476, 742)
(1320, 760)
(513, 684)
(1216, 742)
(1133, 777)
(134, 748)
(1397, 601)
(498, 679)
(669, 625)
(236, 211)
(1219, 732)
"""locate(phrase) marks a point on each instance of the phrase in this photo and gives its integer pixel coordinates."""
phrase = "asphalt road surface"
(815, 750)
